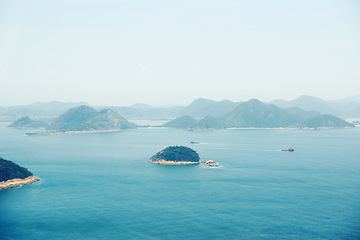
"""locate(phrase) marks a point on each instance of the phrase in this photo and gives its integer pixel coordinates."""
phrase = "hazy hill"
(26, 122)
(326, 120)
(256, 114)
(183, 122)
(307, 103)
(141, 106)
(210, 122)
(348, 107)
(36, 110)
(127, 112)
(107, 119)
(75, 119)
(49, 111)
(84, 118)
(189, 123)
(201, 107)
(197, 106)
(301, 113)
(355, 99)
(143, 111)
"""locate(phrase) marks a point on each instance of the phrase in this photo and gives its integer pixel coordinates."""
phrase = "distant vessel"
(194, 142)
(288, 150)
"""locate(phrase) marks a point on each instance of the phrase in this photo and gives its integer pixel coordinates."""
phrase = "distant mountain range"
(199, 108)
(200, 114)
(46, 111)
(348, 107)
(255, 114)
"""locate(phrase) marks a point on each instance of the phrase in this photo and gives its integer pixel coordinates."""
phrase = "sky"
(164, 52)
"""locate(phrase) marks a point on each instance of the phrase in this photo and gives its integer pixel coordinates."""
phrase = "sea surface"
(101, 186)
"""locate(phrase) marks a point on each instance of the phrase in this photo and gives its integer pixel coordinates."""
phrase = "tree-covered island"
(176, 155)
(12, 175)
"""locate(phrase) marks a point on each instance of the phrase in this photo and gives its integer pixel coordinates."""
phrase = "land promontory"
(176, 155)
(25, 122)
(12, 175)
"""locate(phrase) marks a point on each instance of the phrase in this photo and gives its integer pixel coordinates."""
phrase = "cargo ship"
(288, 150)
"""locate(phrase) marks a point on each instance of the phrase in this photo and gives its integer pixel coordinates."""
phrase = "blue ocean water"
(100, 186)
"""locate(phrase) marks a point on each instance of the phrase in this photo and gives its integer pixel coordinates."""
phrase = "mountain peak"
(308, 98)
(83, 107)
(254, 102)
(107, 111)
(141, 106)
(202, 100)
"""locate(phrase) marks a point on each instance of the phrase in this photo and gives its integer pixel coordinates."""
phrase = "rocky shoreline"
(18, 182)
(70, 132)
(164, 162)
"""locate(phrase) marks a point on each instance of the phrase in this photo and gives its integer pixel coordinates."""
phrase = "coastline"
(18, 182)
(164, 162)
(287, 128)
(46, 133)
(25, 128)
(70, 132)
(259, 128)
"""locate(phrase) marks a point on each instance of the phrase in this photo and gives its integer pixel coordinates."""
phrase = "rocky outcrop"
(211, 164)
(164, 162)
(18, 182)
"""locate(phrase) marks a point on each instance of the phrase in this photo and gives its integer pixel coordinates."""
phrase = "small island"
(176, 155)
(13, 175)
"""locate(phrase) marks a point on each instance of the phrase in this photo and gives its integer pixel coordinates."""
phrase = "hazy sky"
(170, 52)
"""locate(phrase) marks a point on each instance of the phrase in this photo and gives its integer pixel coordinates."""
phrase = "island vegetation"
(200, 115)
(11, 174)
(176, 155)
